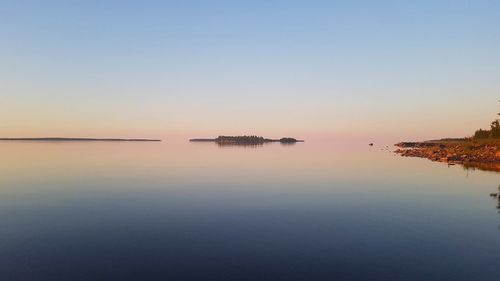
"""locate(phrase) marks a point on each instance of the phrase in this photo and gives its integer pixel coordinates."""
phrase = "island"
(481, 151)
(246, 140)
(77, 139)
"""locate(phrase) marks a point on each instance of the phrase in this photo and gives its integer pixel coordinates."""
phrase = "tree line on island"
(246, 140)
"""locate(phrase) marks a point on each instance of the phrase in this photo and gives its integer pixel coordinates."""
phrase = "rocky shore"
(484, 155)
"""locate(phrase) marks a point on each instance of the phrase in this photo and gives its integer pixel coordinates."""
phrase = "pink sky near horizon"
(368, 125)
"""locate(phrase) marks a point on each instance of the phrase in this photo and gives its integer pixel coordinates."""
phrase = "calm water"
(184, 211)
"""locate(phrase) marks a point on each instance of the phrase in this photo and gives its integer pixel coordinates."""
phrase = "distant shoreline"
(79, 139)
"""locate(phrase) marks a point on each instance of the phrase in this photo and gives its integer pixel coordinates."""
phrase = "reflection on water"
(252, 145)
(235, 144)
(494, 167)
(185, 211)
(496, 196)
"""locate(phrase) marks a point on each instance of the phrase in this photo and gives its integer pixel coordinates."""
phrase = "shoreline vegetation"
(77, 139)
(482, 151)
(245, 140)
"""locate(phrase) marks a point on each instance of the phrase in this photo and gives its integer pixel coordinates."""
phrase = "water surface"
(198, 211)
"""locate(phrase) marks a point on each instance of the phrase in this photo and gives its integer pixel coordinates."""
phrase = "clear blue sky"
(384, 69)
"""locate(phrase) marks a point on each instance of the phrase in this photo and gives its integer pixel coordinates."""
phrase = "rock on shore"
(485, 154)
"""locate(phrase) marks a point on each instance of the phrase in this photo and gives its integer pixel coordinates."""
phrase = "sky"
(378, 70)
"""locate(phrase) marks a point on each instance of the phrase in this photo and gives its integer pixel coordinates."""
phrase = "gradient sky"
(391, 70)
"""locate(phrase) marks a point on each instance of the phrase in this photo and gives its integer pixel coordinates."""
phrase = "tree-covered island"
(246, 140)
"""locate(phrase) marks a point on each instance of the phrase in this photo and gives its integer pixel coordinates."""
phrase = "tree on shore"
(494, 131)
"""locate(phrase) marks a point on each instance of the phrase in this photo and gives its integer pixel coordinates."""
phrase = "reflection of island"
(246, 140)
(72, 139)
